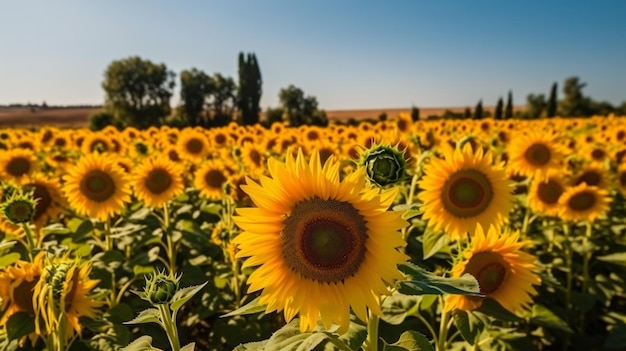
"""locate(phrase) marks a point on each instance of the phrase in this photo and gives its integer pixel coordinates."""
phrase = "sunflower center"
(324, 240)
(214, 178)
(220, 139)
(489, 269)
(549, 192)
(467, 193)
(18, 166)
(69, 298)
(591, 178)
(598, 154)
(158, 180)
(255, 156)
(194, 146)
(43, 198)
(23, 296)
(538, 154)
(97, 186)
(582, 201)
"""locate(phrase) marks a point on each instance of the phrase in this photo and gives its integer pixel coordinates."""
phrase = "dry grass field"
(79, 116)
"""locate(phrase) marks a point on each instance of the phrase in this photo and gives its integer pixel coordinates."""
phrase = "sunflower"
(253, 157)
(621, 179)
(192, 145)
(97, 187)
(592, 175)
(96, 143)
(464, 190)
(535, 155)
(210, 179)
(504, 272)
(47, 193)
(322, 245)
(16, 287)
(16, 164)
(63, 294)
(583, 203)
(544, 195)
(157, 180)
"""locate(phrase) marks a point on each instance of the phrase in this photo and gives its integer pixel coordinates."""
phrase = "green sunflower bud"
(161, 288)
(384, 165)
(18, 207)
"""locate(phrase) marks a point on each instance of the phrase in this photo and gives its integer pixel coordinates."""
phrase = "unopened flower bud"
(384, 165)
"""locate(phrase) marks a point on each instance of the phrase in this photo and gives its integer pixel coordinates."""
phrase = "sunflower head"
(19, 207)
(160, 288)
(583, 202)
(384, 165)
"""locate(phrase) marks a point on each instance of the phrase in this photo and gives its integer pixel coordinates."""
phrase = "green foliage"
(100, 120)
(138, 91)
(478, 110)
(195, 86)
(551, 108)
(222, 101)
(574, 103)
(535, 106)
(508, 111)
(273, 115)
(499, 112)
(415, 113)
(300, 109)
(250, 89)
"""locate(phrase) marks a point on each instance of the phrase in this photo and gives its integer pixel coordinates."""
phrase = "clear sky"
(348, 53)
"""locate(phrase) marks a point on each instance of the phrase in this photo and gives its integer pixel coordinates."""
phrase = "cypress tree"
(468, 113)
(552, 101)
(250, 89)
(478, 111)
(508, 112)
(499, 108)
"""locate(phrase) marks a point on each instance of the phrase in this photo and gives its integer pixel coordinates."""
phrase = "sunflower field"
(395, 235)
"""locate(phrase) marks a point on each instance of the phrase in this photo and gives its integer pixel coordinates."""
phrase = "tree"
(195, 87)
(468, 113)
(300, 109)
(508, 111)
(138, 91)
(478, 111)
(535, 106)
(250, 89)
(552, 101)
(222, 100)
(415, 113)
(574, 103)
(499, 109)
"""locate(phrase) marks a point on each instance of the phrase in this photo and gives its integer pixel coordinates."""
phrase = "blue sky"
(349, 54)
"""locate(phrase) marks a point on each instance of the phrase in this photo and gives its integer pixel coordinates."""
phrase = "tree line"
(138, 94)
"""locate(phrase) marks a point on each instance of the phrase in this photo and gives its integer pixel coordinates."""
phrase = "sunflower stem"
(372, 332)
(443, 328)
(586, 260)
(568, 289)
(171, 245)
(109, 247)
(409, 201)
(29, 238)
(170, 327)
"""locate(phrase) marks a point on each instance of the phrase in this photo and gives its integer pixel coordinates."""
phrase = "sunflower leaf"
(542, 316)
(8, 259)
(469, 325)
(618, 258)
(433, 241)
(410, 340)
(143, 343)
(250, 308)
(616, 340)
(183, 295)
(423, 282)
(19, 325)
(150, 315)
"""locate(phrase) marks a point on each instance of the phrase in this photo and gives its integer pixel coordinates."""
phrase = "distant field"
(78, 117)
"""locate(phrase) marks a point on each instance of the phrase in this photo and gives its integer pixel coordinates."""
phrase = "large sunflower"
(322, 245)
(504, 272)
(16, 287)
(16, 164)
(63, 294)
(192, 145)
(463, 190)
(535, 155)
(157, 180)
(97, 187)
(583, 203)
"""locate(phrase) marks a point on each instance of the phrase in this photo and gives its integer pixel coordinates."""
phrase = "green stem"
(409, 201)
(430, 328)
(568, 292)
(171, 245)
(29, 238)
(109, 246)
(443, 329)
(339, 344)
(372, 332)
(170, 327)
(525, 224)
(587, 257)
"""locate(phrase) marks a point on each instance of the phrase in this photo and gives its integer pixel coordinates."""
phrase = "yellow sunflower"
(63, 294)
(97, 187)
(621, 179)
(157, 180)
(253, 157)
(322, 245)
(464, 190)
(504, 272)
(544, 196)
(210, 179)
(535, 155)
(592, 175)
(47, 193)
(583, 203)
(16, 164)
(16, 287)
(192, 145)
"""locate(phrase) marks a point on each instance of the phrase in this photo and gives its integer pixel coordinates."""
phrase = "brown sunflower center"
(18, 166)
(489, 269)
(220, 139)
(538, 154)
(590, 177)
(549, 192)
(43, 198)
(97, 186)
(173, 155)
(255, 156)
(23, 296)
(324, 240)
(69, 298)
(158, 180)
(467, 193)
(582, 201)
(214, 178)
(598, 154)
(194, 146)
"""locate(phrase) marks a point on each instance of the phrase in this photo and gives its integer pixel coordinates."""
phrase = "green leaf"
(184, 295)
(8, 259)
(188, 347)
(616, 340)
(433, 241)
(413, 341)
(423, 282)
(143, 343)
(542, 316)
(355, 336)
(82, 231)
(492, 308)
(469, 326)
(289, 338)
(410, 211)
(19, 325)
(249, 308)
(396, 307)
(150, 315)
(252, 346)
(120, 312)
(618, 258)
(55, 228)
(139, 270)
